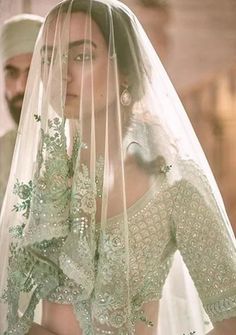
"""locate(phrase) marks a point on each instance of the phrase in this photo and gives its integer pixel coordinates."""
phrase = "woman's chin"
(71, 112)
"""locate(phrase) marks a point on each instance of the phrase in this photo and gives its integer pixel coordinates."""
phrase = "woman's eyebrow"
(46, 47)
(71, 45)
(81, 42)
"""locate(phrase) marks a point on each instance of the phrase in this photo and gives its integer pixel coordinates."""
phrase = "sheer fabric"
(108, 181)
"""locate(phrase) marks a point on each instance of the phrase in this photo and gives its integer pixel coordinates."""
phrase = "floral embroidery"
(87, 267)
(37, 117)
(24, 191)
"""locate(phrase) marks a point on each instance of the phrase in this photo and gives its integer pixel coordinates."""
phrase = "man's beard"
(14, 107)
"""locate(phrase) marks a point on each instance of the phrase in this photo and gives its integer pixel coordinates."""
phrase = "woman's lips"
(69, 95)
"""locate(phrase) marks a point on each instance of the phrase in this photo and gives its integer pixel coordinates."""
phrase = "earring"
(126, 97)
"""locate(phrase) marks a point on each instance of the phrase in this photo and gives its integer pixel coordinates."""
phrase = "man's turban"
(18, 35)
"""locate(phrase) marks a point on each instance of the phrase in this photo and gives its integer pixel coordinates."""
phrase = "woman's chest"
(141, 241)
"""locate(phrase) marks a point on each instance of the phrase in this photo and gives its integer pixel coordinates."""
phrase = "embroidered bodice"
(164, 220)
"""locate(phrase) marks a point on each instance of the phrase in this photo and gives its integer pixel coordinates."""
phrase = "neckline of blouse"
(144, 199)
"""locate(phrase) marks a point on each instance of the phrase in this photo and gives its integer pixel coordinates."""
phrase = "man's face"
(16, 71)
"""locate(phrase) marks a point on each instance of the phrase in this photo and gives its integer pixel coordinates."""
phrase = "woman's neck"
(103, 136)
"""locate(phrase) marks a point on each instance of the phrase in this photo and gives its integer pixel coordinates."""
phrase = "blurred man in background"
(17, 39)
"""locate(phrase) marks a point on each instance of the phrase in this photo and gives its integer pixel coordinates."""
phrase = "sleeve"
(208, 249)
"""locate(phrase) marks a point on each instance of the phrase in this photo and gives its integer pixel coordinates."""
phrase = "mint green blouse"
(64, 269)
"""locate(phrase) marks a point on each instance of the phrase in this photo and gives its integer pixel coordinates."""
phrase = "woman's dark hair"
(127, 50)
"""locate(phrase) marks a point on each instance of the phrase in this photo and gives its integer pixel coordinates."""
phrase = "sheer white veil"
(99, 108)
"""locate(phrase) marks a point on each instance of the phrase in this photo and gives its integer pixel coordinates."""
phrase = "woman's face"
(87, 60)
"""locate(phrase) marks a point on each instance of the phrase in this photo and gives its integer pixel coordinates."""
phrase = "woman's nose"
(68, 74)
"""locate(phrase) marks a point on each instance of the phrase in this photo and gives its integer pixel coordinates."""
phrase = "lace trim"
(82, 274)
(224, 308)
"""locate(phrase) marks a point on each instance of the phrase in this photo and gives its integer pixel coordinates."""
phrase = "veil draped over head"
(108, 185)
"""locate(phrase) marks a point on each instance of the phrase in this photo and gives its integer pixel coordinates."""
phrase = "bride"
(108, 182)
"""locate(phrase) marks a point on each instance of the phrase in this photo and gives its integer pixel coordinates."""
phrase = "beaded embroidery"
(72, 262)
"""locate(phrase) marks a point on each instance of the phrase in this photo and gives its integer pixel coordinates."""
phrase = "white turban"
(18, 35)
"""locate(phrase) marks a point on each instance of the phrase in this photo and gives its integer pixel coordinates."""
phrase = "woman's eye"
(83, 57)
(46, 60)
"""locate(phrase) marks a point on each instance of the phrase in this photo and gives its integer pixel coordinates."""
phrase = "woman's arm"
(208, 249)
(59, 319)
(39, 330)
(224, 327)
